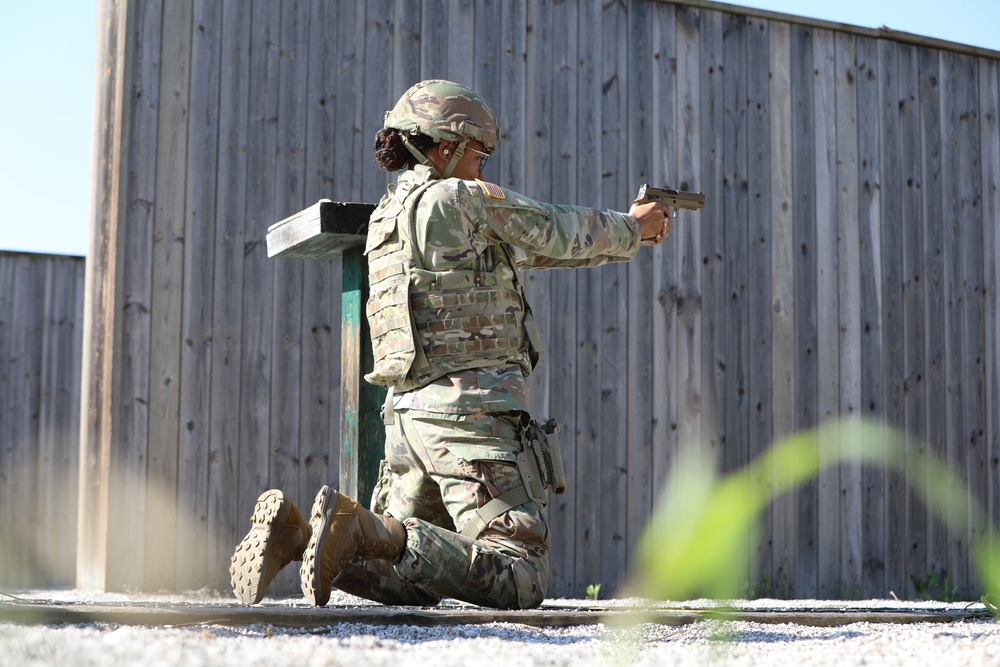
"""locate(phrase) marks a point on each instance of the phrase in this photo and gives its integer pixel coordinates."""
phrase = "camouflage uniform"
(452, 338)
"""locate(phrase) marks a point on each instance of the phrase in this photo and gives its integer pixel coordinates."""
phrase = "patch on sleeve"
(491, 190)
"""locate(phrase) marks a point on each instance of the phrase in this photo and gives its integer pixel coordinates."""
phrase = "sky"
(47, 53)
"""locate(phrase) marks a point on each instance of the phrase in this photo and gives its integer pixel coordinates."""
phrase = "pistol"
(675, 199)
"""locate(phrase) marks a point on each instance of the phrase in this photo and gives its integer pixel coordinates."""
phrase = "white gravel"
(965, 643)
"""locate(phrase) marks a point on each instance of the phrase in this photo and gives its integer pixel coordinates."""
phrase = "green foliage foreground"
(697, 542)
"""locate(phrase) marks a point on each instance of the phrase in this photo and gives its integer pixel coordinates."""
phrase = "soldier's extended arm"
(675, 199)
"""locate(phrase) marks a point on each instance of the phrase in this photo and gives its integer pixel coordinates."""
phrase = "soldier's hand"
(654, 220)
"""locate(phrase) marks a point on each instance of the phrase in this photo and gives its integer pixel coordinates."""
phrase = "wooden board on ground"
(33, 612)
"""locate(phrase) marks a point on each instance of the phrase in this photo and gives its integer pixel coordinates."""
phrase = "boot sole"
(249, 565)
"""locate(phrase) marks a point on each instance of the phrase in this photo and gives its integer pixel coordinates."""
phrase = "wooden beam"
(550, 615)
(883, 32)
(323, 231)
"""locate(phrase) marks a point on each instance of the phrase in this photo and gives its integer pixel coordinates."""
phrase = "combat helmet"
(444, 111)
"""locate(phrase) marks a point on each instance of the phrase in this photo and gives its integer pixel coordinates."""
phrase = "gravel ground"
(965, 643)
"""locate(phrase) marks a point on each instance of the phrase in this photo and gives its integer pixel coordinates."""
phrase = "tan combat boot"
(341, 530)
(278, 536)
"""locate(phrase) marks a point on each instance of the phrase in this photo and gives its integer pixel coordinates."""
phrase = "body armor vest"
(425, 324)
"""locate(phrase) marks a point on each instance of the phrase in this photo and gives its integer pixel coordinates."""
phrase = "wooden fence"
(41, 318)
(845, 264)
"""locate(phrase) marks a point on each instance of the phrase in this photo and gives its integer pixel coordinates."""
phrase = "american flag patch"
(492, 190)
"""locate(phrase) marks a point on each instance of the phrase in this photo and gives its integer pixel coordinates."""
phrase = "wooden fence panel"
(41, 327)
(818, 282)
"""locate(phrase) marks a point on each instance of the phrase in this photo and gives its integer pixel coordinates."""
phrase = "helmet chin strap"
(459, 152)
(421, 158)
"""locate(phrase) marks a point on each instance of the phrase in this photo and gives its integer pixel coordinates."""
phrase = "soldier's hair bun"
(391, 153)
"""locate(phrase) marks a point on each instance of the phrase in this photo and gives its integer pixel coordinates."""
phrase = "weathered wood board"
(323, 231)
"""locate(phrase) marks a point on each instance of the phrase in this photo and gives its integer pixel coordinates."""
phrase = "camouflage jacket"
(472, 226)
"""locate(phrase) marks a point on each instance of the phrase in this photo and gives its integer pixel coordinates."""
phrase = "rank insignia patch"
(491, 190)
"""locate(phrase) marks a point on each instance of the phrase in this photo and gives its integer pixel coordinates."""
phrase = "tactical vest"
(426, 324)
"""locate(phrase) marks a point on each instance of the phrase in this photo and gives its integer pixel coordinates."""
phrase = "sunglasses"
(484, 157)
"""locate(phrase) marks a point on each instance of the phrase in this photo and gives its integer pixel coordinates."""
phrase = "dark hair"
(391, 153)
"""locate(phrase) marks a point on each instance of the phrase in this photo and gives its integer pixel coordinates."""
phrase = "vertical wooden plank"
(229, 504)
(320, 375)
(434, 60)
(100, 293)
(712, 227)
(164, 352)
(362, 436)
(849, 313)
(72, 456)
(873, 478)
(638, 70)
(914, 312)
(286, 308)
(931, 140)
(510, 100)
(735, 184)
(586, 547)
(537, 165)
(563, 323)
(406, 46)
(782, 295)
(257, 348)
(760, 378)
(461, 45)
(827, 313)
(198, 299)
(284, 335)
(486, 51)
(989, 137)
(689, 381)
(666, 287)
(125, 565)
(346, 87)
(734, 325)
(378, 93)
(972, 368)
(805, 276)
(613, 361)
(892, 311)
(954, 94)
(47, 490)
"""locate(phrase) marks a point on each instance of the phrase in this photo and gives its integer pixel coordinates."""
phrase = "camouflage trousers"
(439, 469)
